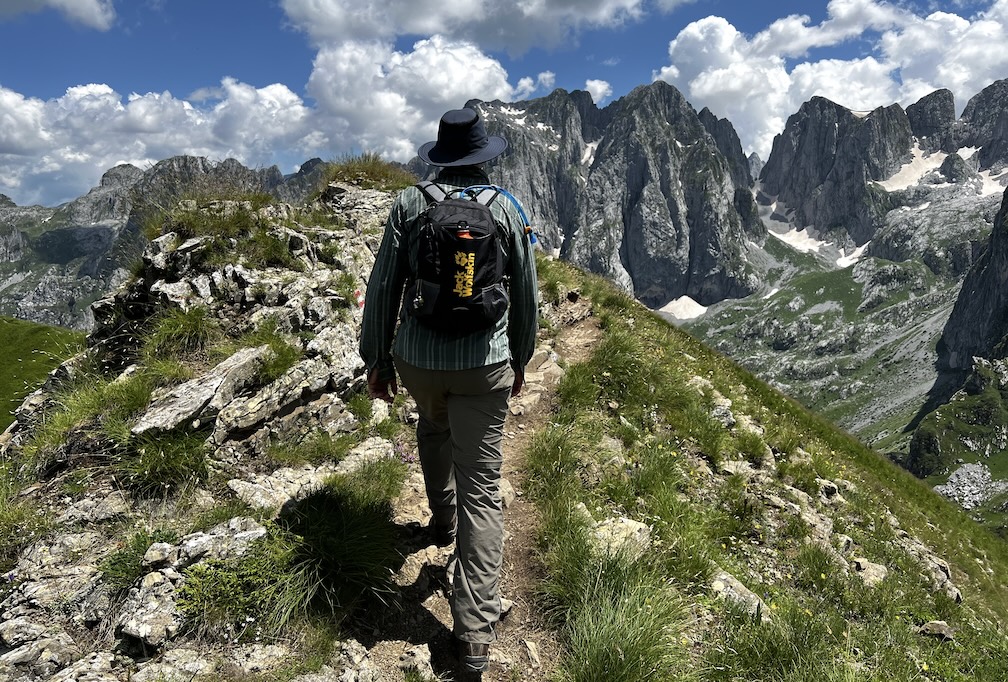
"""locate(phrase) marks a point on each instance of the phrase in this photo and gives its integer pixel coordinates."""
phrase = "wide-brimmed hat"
(462, 141)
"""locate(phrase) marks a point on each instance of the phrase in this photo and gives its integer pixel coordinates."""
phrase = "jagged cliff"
(640, 191)
(822, 164)
(853, 332)
(979, 321)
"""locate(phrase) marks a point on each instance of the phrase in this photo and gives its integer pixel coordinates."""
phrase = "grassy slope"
(31, 351)
(825, 624)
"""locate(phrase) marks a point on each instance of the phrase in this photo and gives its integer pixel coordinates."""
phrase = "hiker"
(460, 361)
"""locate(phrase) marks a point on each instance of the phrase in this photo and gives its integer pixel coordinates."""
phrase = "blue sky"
(88, 84)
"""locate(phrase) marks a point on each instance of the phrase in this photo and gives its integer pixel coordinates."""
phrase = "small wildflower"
(924, 666)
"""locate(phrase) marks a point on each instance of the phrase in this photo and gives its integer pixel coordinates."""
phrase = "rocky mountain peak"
(6, 202)
(985, 120)
(821, 164)
(728, 143)
(639, 191)
(931, 120)
(123, 175)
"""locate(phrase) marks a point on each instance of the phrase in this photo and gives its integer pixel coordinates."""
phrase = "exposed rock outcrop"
(639, 192)
(66, 257)
(931, 120)
(979, 320)
(821, 165)
(985, 125)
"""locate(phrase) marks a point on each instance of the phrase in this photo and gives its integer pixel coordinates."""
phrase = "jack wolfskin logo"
(466, 263)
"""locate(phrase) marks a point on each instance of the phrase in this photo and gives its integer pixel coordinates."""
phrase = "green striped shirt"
(513, 337)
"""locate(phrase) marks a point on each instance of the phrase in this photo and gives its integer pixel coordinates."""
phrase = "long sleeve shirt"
(511, 339)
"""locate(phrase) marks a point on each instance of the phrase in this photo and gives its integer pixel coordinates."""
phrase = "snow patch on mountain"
(846, 260)
(911, 173)
(683, 308)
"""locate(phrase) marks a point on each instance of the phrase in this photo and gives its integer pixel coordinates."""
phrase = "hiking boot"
(475, 658)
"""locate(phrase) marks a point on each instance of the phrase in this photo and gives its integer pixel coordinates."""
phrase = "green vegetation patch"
(369, 170)
(640, 432)
(971, 427)
(229, 230)
(31, 351)
(329, 553)
(121, 569)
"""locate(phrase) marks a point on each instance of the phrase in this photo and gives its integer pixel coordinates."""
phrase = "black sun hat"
(462, 141)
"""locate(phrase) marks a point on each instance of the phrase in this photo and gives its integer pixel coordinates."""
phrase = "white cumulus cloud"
(97, 14)
(510, 26)
(598, 89)
(374, 98)
(52, 151)
(758, 81)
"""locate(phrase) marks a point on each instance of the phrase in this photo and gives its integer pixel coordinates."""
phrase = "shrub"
(361, 407)
(265, 249)
(740, 514)
(164, 462)
(619, 618)
(317, 448)
(21, 523)
(254, 596)
(327, 552)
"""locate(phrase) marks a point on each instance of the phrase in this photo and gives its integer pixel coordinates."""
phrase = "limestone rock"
(280, 487)
(622, 536)
(176, 665)
(95, 667)
(205, 395)
(938, 629)
(92, 510)
(418, 658)
(150, 614)
(727, 586)
(872, 574)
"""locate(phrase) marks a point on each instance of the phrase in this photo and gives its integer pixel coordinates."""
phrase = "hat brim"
(433, 155)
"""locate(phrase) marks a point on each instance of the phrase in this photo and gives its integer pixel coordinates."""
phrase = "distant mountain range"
(54, 262)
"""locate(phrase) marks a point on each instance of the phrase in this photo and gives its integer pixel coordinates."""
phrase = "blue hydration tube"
(475, 189)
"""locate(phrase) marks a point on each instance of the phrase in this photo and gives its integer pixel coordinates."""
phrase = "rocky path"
(418, 633)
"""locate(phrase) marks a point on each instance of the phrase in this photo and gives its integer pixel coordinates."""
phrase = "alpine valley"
(862, 269)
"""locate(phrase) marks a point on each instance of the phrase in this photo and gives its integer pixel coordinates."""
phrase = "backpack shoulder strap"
(432, 191)
(482, 194)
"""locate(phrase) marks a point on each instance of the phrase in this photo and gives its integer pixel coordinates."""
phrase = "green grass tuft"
(121, 569)
(369, 170)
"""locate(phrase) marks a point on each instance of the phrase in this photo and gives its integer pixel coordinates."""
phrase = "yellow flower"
(924, 667)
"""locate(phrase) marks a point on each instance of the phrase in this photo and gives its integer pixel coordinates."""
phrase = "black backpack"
(458, 286)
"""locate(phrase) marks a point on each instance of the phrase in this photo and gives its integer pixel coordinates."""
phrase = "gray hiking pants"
(459, 437)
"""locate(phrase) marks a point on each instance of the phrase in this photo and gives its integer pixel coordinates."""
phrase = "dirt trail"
(527, 649)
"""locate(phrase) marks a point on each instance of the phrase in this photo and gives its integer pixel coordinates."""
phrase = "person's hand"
(385, 389)
(519, 381)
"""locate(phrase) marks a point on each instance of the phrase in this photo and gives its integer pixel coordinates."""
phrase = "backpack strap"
(482, 194)
(432, 191)
(492, 191)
